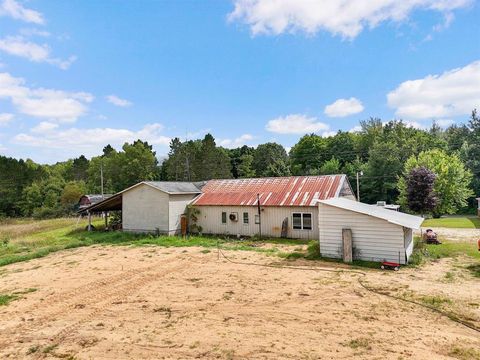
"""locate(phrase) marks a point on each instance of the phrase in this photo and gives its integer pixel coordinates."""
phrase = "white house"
(378, 234)
(478, 209)
(231, 206)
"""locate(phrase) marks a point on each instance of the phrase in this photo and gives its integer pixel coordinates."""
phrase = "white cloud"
(34, 32)
(19, 46)
(233, 143)
(295, 124)
(44, 127)
(444, 123)
(88, 141)
(16, 11)
(115, 100)
(49, 104)
(415, 125)
(346, 18)
(5, 118)
(344, 107)
(455, 92)
(355, 129)
(326, 134)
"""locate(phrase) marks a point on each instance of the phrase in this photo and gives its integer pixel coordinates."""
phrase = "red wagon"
(390, 265)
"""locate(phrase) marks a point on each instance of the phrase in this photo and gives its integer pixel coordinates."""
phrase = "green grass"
(474, 269)
(5, 299)
(454, 222)
(435, 301)
(28, 239)
(463, 353)
(448, 249)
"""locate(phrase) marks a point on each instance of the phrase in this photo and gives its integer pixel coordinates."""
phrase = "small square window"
(245, 217)
(257, 219)
(224, 217)
(297, 221)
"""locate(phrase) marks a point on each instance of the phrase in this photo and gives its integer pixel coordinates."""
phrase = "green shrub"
(313, 250)
(46, 213)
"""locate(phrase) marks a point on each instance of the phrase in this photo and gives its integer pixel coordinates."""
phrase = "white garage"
(377, 234)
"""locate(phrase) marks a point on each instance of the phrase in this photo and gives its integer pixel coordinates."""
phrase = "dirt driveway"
(152, 303)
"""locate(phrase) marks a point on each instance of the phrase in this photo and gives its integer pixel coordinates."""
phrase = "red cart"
(390, 265)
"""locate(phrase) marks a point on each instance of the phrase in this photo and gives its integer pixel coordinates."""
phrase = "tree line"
(396, 161)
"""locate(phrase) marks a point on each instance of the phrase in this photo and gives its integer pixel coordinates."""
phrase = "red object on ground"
(478, 243)
(390, 265)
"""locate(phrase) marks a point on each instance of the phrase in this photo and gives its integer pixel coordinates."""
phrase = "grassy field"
(466, 222)
(24, 239)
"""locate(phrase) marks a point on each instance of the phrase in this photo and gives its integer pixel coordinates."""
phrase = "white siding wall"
(177, 207)
(373, 239)
(210, 218)
(408, 242)
(145, 209)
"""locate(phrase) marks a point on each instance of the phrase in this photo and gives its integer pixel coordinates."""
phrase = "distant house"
(478, 208)
(231, 206)
(384, 205)
(91, 199)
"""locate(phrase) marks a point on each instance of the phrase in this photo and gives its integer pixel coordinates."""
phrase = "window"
(245, 217)
(302, 221)
(307, 221)
(257, 219)
(224, 217)
(297, 221)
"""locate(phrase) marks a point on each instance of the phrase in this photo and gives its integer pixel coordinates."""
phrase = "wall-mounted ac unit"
(233, 216)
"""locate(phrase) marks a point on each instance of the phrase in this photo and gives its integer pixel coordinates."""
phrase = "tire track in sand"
(93, 293)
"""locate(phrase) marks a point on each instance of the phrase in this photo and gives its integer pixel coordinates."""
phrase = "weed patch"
(464, 353)
(474, 269)
(436, 301)
(6, 299)
(363, 343)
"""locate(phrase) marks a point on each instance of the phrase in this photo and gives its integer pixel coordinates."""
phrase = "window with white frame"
(224, 217)
(245, 217)
(257, 219)
(302, 221)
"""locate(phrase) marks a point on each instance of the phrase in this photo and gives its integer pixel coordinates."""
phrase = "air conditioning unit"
(233, 216)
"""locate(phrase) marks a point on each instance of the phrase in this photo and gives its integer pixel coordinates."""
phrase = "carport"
(113, 203)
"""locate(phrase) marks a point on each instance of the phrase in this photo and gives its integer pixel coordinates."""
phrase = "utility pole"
(259, 217)
(358, 184)
(101, 179)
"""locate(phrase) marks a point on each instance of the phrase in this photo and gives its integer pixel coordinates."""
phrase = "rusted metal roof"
(280, 191)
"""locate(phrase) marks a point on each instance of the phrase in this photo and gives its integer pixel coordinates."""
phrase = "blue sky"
(78, 74)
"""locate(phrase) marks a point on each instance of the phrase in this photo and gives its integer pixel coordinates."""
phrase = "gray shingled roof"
(175, 187)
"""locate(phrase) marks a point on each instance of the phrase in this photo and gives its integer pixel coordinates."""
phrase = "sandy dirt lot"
(153, 303)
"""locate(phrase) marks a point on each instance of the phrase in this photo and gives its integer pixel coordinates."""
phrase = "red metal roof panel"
(280, 191)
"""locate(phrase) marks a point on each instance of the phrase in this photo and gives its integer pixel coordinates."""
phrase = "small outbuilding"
(150, 206)
(478, 208)
(377, 234)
